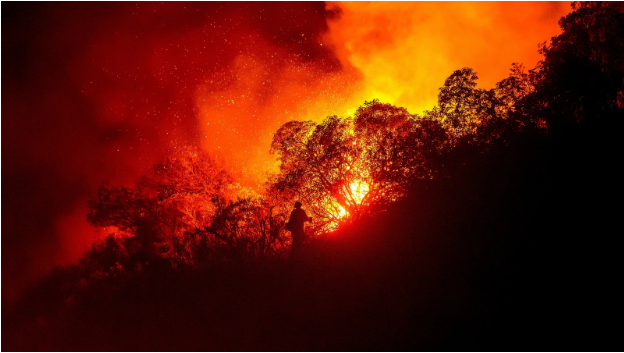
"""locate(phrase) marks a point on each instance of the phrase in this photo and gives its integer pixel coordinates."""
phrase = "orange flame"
(405, 50)
(359, 189)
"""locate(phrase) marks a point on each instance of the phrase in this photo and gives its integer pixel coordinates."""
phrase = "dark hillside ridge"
(516, 251)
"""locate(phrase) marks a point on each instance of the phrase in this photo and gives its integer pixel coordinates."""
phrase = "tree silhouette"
(318, 165)
(581, 77)
(246, 229)
(109, 256)
(176, 198)
(350, 166)
(397, 147)
(461, 106)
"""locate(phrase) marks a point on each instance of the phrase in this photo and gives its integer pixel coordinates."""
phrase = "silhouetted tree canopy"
(177, 197)
(581, 78)
(348, 166)
(248, 228)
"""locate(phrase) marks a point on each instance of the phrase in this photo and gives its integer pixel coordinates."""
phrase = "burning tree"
(177, 197)
(246, 228)
(480, 117)
(188, 210)
(348, 166)
(397, 147)
(318, 165)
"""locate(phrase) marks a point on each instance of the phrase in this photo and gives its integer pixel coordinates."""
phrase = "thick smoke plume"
(405, 50)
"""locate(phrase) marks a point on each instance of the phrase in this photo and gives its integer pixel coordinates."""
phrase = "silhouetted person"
(295, 224)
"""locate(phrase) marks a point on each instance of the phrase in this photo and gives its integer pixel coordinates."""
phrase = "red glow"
(97, 92)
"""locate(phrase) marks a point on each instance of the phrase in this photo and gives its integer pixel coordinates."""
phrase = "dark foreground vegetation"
(498, 230)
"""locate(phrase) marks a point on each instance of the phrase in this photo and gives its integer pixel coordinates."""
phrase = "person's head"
(297, 204)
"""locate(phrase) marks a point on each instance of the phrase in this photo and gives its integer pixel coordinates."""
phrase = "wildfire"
(359, 189)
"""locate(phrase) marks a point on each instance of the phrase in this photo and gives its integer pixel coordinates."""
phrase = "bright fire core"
(359, 190)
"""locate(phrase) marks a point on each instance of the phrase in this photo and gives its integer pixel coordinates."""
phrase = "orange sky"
(405, 50)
